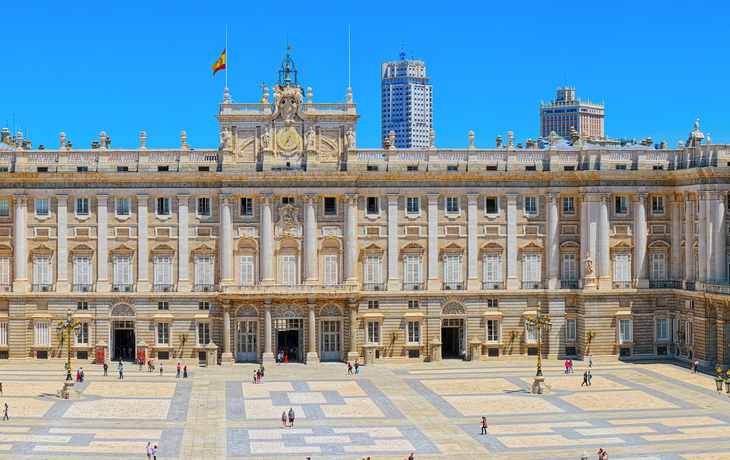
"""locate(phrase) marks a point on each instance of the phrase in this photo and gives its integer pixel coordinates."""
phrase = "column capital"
(102, 196)
(553, 196)
(226, 304)
(267, 197)
(641, 196)
(605, 197)
(433, 198)
(351, 198)
(183, 197)
(393, 198)
(143, 199)
(22, 199)
(471, 198)
(311, 303)
(225, 198)
(310, 198)
(512, 198)
(62, 200)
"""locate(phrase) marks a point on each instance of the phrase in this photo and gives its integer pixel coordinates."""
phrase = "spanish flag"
(220, 64)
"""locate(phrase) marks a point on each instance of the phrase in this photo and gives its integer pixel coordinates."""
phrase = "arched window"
(331, 255)
(247, 254)
(289, 257)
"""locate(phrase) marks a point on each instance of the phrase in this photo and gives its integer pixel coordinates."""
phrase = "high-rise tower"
(566, 111)
(407, 99)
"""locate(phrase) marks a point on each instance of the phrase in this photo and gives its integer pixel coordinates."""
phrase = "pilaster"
(472, 282)
(268, 356)
(351, 240)
(720, 240)
(433, 246)
(20, 283)
(62, 284)
(310, 239)
(267, 240)
(143, 282)
(352, 353)
(102, 254)
(513, 282)
(675, 209)
(226, 244)
(227, 356)
(393, 279)
(604, 254)
(183, 277)
(640, 232)
(689, 239)
(312, 356)
(553, 243)
(702, 239)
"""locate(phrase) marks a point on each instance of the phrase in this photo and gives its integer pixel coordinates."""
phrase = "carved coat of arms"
(288, 224)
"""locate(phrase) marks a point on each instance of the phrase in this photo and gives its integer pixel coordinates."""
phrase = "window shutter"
(5, 270)
(247, 270)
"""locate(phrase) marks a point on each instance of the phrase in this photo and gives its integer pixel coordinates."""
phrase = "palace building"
(288, 236)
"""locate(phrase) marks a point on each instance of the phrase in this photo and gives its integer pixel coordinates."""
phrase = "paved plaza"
(643, 410)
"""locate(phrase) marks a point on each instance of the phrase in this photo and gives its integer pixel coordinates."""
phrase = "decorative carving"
(225, 139)
(183, 139)
(266, 140)
(290, 311)
(471, 140)
(329, 231)
(310, 139)
(246, 145)
(330, 310)
(350, 139)
(453, 308)
(695, 137)
(123, 310)
(329, 146)
(143, 140)
(589, 264)
(288, 224)
(247, 311)
(287, 140)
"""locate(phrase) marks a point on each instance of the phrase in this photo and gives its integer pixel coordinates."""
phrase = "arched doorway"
(453, 327)
(123, 333)
(330, 319)
(289, 324)
(247, 337)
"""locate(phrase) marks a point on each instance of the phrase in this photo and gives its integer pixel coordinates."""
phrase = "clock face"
(287, 138)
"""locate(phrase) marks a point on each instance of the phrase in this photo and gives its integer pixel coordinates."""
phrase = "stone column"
(62, 283)
(604, 253)
(393, 279)
(433, 243)
(183, 276)
(553, 242)
(227, 356)
(20, 281)
(702, 239)
(268, 356)
(226, 244)
(267, 240)
(102, 253)
(710, 241)
(720, 240)
(720, 342)
(472, 246)
(675, 209)
(583, 236)
(640, 231)
(351, 241)
(512, 281)
(352, 353)
(689, 239)
(143, 282)
(310, 239)
(312, 356)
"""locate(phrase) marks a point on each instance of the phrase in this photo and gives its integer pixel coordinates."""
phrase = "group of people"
(151, 452)
(284, 418)
(568, 366)
(258, 375)
(286, 353)
(602, 454)
(350, 366)
(586, 378)
(282, 357)
(695, 366)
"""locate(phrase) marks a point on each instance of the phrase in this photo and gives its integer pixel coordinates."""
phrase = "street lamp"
(540, 323)
(67, 327)
(719, 381)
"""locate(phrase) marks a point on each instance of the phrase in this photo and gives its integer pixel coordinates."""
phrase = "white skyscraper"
(407, 102)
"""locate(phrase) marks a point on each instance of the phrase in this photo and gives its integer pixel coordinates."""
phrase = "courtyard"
(655, 410)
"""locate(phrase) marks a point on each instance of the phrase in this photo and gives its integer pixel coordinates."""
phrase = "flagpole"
(226, 55)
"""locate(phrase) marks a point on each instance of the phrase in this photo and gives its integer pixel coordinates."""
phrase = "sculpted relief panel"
(288, 224)
(246, 145)
(330, 145)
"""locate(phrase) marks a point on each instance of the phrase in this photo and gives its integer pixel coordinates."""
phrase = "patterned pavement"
(632, 410)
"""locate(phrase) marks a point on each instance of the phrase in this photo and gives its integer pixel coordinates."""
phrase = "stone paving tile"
(669, 421)
(526, 428)
(373, 432)
(619, 430)
(616, 401)
(27, 438)
(280, 448)
(99, 447)
(263, 390)
(140, 409)
(263, 409)
(111, 434)
(354, 407)
(23, 407)
(688, 434)
(277, 434)
(307, 398)
(469, 386)
(30, 388)
(130, 390)
(708, 456)
(554, 441)
(391, 445)
(574, 382)
(5, 446)
(344, 388)
(500, 405)
(327, 439)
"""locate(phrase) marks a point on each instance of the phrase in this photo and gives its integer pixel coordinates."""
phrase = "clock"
(287, 138)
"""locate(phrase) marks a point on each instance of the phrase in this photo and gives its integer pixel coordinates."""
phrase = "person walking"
(291, 416)
(566, 366)
(585, 379)
(589, 378)
(121, 371)
(484, 425)
(283, 419)
(357, 367)
(149, 451)
(154, 453)
(263, 379)
(254, 376)
(106, 368)
(81, 374)
(185, 372)
(178, 371)
(1, 388)
(600, 454)
(571, 365)
(349, 368)
(258, 376)
(160, 368)
(5, 412)
(286, 359)
(590, 360)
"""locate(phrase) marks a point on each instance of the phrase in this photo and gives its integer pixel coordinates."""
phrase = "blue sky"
(125, 67)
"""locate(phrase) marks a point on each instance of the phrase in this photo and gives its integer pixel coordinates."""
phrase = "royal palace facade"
(288, 235)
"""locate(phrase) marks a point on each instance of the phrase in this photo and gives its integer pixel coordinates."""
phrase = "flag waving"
(220, 64)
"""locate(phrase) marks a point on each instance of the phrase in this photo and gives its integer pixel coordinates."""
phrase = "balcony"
(163, 287)
(204, 287)
(453, 287)
(82, 287)
(532, 285)
(6, 288)
(664, 284)
(492, 285)
(42, 287)
(413, 286)
(689, 286)
(290, 288)
(373, 286)
(569, 284)
(714, 288)
(122, 287)
(622, 285)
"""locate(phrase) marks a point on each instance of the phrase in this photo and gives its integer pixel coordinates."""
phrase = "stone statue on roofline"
(695, 137)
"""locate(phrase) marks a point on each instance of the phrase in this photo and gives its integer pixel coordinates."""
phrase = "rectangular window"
(82, 305)
(452, 268)
(163, 206)
(373, 332)
(42, 333)
(3, 333)
(412, 205)
(452, 168)
(122, 270)
(247, 206)
(657, 204)
(4, 206)
(658, 266)
(412, 168)
(413, 269)
(372, 168)
(82, 270)
(330, 269)
(373, 271)
(568, 205)
(452, 204)
(203, 305)
(624, 331)
(530, 336)
(414, 332)
(373, 305)
(492, 206)
(83, 337)
(163, 270)
(531, 268)
(492, 303)
(163, 333)
(122, 206)
(287, 200)
(42, 272)
(247, 270)
(163, 305)
(621, 268)
(661, 330)
(203, 334)
(688, 333)
(373, 207)
(570, 330)
(492, 330)
(569, 269)
(492, 271)
(4, 270)
(41, 207)
(82, 206)
(531, 205)
(288, 269)
(621, 167)
(621, 205)
(203, 270)
(204, 207)
(330, 206)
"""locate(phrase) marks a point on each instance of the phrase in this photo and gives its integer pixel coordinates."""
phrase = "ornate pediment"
(163, 249)
(288, 224)
(6, 249)
(622, 245)
(413, 248)
(42, 249)
(570, 246)
(330, 310)
(532, 246)
(373, 248)
(247, 311)
(291, 311)
(122, 250)
(80, 249)
(453, 308)
(452, 248)
(122, 310)
(204, 249)
(659, 244)
(492, 246)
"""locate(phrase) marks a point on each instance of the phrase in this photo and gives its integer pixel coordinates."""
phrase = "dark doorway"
(124, 345)
(450, 340)
(288, 342)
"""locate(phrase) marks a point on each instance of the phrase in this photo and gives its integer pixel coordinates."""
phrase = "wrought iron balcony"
(42, 287)
(163, 287)
(82, 287)
(413, 286)
(122, 287)
(204, 287)
(289, 288)
(622, 285)
(492, 285)
(373, 286)
(569, 284)
(453, 286)
(532, 285)
(665, 284)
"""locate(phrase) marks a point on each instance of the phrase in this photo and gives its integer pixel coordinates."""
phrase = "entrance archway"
(289, 325)
(330, 319)
(247, 337)
(123, 333)
(453, 327)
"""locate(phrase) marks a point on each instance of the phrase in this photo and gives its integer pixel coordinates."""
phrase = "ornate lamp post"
(66, 328)
(719, 381)
(539, 324)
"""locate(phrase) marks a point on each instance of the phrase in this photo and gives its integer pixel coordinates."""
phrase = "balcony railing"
(716, 288)
(413, 286)
(43, 287)
(291, 288)
(453, 286)
(204, 287)
(6, 288)
(492, 285)
(622, 284)
(373, 286)
(665, 284)
(531, 285)
(569, 284)
(163, 287)
(689, 285)
(82, 287)
(122, 287)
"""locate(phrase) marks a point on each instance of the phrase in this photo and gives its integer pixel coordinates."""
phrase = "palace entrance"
(247, 334)
(452, 330)
(330, 332)
(123, 334)
(289, 325)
